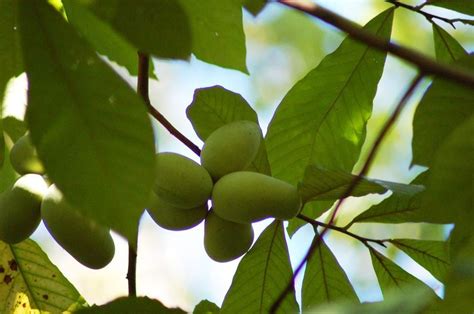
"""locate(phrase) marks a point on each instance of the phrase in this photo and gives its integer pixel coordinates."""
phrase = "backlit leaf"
(29, 279)
(324, 280)
(322, 119)
(262, 275)
(206, 307)
(463, 6)
(91, 130)
(446, 47)
(132, 305)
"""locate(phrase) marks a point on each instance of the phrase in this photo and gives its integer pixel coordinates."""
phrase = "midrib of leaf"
(349, 79)
(53, 53)
(448, 48)
(267, 261)
(419, 251)
(376, 254)
(323, 270)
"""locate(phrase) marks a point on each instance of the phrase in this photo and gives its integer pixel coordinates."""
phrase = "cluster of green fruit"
(30, 199)
(239, 197)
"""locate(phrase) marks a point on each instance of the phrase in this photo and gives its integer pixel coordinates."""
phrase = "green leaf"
(444, 106)
(103, 37)
(28, 280)
(450, 186)
(311, 210)
(398, 208)
(217, 32)
(262, 275)
(215, 106)
(92, 131)
(254, 6)
(328, 109)
(463, 6)
(206, 307)
(392, 277)
(447, 48)
(432, 255)
(324, 280)
(132, 305)
(157, 27)
(13, 127)
(8, 175)
(323, 184)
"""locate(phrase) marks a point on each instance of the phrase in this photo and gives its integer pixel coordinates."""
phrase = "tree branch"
(425, 64)
(430, 16)
(142, 86)
(316, 223)
(368, 162)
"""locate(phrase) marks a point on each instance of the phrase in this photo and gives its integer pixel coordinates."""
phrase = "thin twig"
(368, 162)
(430, 16)
(143, 64)
(341, 230)
(424, 63)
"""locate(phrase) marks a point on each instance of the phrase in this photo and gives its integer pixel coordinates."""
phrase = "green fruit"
(24, 158)
(89, 243)
(231, 148)
(181, 181)
(246, 197)
(173, 218)
(20, 208)
(225, 240)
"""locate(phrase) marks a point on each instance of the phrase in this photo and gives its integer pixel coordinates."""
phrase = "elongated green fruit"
(174, 218)
(20, 208)
(246, 197)
(231, 148)
(224, 240)
(181, 181)
(24, 158)
(89, 243)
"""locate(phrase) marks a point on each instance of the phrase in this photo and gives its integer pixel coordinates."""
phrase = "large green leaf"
(262, 275)
(450, 186)
(446, 47)
(322, 119)
(392, 277)
(432, 255)
(103, 37)
(132, 305)
(158, 27)
(215, 106)
(217, 31)
(91, 130)
(463, 6)
(28, 280)
(324, 280)
(206, 307)
(444, 106)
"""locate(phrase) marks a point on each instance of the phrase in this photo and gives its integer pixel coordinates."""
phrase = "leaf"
(414, 302)
(432, 255)
(431, 124)
(462, 6)
(8, 175)
(13, 127)
(324, 184)
(132, 305)
(217, 32)
(206, 307)
(158, 27)
(449, 190)
(254, 6)
(28, 278)
(262, 275)
(92, 131)
(323, 117)
(447, 48)
(311, 210)
(215, 106)
(103, 37)
(392, 277)
(324, 280)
